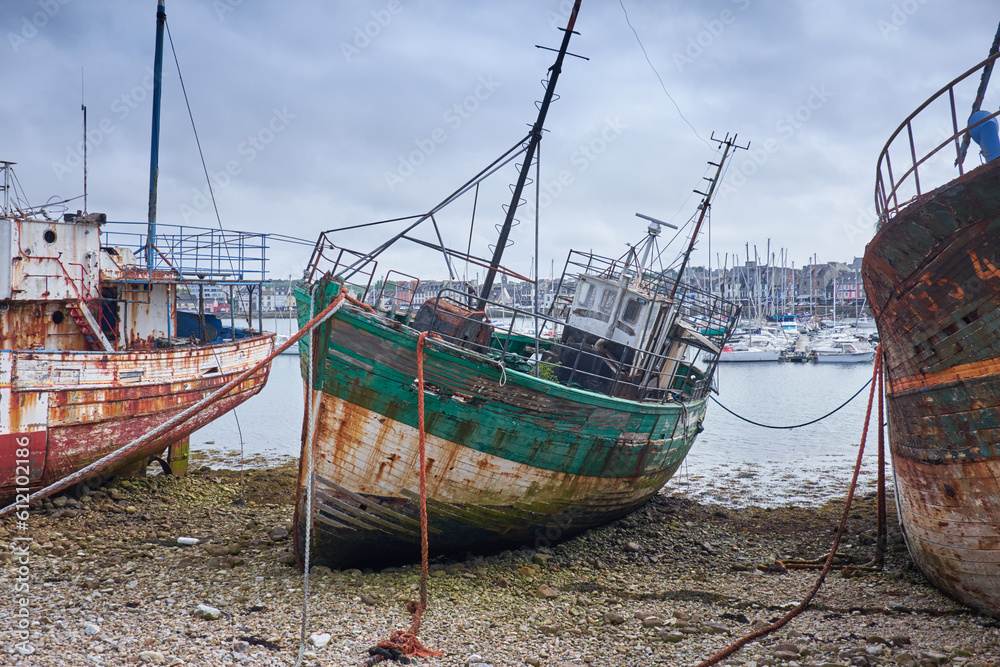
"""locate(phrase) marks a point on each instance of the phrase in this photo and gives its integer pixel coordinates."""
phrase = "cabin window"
(57, 317)
(587, 300)
(632, 310)
(608, 301)
(49, 236)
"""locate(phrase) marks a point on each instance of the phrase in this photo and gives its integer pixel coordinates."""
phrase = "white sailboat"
(842, 349)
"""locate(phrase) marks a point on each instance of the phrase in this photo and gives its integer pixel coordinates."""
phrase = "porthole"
(49, 236)
(57, 317)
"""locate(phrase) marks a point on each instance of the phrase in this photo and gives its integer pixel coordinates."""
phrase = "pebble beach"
(109, 579)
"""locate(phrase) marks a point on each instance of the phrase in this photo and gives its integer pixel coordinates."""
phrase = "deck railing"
(920, 164)
(535, 344)
(196, 253)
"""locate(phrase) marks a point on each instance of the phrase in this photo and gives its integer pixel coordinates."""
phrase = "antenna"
(726, 145)
(83, 107)
(652, 219)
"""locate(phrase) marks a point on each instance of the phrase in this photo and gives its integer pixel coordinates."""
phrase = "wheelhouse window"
(608, 301)
(632, 310)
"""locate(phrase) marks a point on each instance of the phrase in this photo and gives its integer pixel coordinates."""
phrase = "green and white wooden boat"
(521, 450)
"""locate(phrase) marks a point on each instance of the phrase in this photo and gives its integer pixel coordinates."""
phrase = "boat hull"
(512, 459)
(845, 358)
(932, 274)
(739, 356)
(64, 410)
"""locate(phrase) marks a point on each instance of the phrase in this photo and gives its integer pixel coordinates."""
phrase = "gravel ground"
(672, 584)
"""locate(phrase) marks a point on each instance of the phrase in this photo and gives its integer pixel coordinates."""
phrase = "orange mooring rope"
(746, 639)
(882, 537)
(405, 642)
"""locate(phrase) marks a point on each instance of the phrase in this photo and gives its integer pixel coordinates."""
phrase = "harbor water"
(736, 463)
(733, 463)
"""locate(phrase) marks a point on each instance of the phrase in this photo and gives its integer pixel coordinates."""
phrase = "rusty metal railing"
(892, 191)
(328, 257)
(205, 254)
(629, 373)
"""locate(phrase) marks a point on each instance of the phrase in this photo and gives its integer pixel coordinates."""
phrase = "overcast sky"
(316, 114)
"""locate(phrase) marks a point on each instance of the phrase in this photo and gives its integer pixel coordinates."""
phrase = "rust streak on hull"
(107, 400)
(988, 368)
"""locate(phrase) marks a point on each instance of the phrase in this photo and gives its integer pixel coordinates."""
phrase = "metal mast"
(980, 94)
(727, 145)
(535, 137)
(154, 150)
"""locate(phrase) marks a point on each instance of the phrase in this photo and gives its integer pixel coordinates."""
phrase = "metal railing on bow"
(918, 158)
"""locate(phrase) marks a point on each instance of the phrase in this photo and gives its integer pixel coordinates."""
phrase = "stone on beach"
(206, 612)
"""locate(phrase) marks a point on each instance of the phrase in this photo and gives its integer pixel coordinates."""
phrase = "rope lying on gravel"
(750, 421)
(802, 606)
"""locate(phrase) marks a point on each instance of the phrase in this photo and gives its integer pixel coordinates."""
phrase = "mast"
(529, 156)
(727, 145)
(980, 94)
(83, 107)
(154, 149)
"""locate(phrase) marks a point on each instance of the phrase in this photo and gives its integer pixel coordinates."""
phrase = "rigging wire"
(707, 170)
(691, 219)
(659, 78)
(750, 421)
(14, 195)
(204, 166)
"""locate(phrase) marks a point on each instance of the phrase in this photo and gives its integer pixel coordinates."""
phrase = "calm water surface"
(732, 462)
(737, 463)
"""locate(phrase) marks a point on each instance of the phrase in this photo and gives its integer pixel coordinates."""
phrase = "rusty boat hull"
(554, 418)
(932, 274)
(63, 410)
(95, 350)
(512, 460)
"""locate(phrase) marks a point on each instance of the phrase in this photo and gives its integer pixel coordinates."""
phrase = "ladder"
(91, 331)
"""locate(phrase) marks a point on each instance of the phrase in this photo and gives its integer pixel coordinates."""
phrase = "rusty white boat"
(93, 349)
(932, 273)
